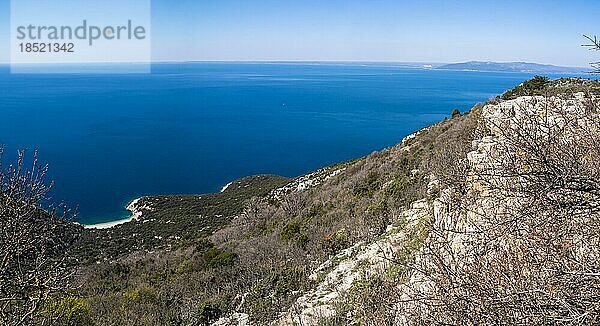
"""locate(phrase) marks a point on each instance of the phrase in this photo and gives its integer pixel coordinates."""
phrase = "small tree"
(455, 112)
(33, 243)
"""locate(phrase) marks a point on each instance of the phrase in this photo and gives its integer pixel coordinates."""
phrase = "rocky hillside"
(490, 217)
(513, 240)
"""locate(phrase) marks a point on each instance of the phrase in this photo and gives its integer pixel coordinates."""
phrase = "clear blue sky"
(371, 30)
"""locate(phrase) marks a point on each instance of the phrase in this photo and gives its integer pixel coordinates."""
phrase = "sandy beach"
(135, 214)
(225, 187)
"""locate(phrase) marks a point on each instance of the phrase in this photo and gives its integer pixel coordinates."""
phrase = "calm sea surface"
(191, 128)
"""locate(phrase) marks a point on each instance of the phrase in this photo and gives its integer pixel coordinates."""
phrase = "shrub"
(34, 244)
(316, 210)
(335, 241)
(371, 297)
(68, 311)
(293, 232)
(369, 186)
(535, 86)
(143, 295)
(215, 257)
(212, 309)
(186, 266)
(275, 292)
(455, 112)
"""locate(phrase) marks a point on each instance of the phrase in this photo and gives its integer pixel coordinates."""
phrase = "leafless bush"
(595, 46)
(448, 161)
(525, 250)
(294, 203)
(32, 243)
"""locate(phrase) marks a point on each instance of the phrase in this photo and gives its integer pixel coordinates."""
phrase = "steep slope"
(465, 255)
(314, 242)
(462, 253)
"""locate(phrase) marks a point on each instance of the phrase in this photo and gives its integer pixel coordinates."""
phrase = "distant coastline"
(521, 67)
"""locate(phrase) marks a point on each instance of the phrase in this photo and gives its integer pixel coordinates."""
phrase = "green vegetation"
(212, 309)
(68, 311)
(214, 257)
(455, 112)
(294, 232)
(175, 221)
(369, 186)
(536, 86)
(405, 256)
(335, 241)
(563, 87)
(275, 292)
(143, 295)
(370, 300)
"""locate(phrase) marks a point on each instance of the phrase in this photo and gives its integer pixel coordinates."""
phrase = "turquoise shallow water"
(191, 128)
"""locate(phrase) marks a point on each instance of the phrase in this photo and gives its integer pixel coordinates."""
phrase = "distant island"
(512, 67)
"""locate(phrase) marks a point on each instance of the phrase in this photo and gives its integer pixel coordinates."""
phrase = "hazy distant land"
(523, 67)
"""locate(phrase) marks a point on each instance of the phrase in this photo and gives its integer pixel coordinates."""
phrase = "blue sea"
(190, 128)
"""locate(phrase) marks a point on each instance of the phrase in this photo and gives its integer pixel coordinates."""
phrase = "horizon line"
(297, 61)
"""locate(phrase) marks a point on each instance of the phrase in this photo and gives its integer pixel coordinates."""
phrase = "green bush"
(397, 188)
(215, 257)
(68, 311)
(455, 113)
(535, 86)
(275, 292)
(369, 298)
(316, 210)
(369, 186)
(187, 266)
(294, 232)
(142, 295)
